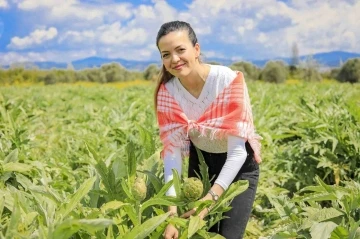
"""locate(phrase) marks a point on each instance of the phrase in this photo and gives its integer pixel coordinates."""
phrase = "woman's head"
(179, 50)
(178, 47)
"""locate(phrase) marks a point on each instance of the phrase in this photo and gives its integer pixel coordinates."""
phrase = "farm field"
(69, 156)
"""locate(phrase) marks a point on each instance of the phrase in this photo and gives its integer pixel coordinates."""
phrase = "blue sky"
(67, 30)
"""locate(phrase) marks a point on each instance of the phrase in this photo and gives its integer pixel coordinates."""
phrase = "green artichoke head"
(192, 188)
(139, 189)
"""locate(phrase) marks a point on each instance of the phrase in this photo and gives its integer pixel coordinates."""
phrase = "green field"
(68, 155)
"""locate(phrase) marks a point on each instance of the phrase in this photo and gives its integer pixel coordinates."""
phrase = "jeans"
(234, 226)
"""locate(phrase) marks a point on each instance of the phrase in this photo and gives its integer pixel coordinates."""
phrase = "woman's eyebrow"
(178, 46)
(175, 48)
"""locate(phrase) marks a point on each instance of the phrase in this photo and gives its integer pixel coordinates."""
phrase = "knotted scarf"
(229, 114)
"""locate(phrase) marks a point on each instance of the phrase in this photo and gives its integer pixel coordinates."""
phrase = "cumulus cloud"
(57, 56)
(35, 4)
(4, 4)
(237, 29)
(108, 34)
(75, 10)
(268, 28)
(37, 37)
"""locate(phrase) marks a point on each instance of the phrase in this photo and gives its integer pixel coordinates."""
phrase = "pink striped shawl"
(229, 114)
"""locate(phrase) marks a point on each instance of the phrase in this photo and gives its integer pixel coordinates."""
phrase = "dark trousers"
(234, 226)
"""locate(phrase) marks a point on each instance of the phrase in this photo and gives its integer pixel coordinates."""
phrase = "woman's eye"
(165, 55)
(182, 49)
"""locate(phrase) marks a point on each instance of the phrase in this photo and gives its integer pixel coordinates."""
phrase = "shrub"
(350, 72)
(274, 72)
(151, 72)
(250, 71)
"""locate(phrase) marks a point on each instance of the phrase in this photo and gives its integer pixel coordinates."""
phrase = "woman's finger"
(188, 214)
(203, 213)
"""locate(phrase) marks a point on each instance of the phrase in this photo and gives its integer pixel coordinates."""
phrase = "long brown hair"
(165, 29)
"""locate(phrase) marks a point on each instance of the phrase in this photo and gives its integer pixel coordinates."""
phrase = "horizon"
(266, 29)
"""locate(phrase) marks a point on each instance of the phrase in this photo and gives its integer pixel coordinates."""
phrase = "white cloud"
(4, 4)
(268, 28)
(262, 38)
(112, 34)
(123, 11)
(75, 10)
(146, 12)
(57, 56)
(35, 4)
(243, 29)
(37, 37)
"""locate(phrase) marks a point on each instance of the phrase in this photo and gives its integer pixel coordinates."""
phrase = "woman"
(206, 106)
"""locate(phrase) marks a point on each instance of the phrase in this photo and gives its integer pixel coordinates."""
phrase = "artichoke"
(139, 189)
(192, 188)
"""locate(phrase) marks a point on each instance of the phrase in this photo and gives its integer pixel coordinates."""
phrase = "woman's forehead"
(174, 39)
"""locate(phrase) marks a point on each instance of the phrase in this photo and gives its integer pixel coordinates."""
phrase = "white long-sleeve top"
(219, 77)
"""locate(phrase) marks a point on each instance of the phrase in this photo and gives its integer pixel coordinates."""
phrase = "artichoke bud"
(139, 189)
(192, 188)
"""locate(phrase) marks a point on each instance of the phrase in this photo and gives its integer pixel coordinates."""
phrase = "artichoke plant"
(139, 189)
(192, 188)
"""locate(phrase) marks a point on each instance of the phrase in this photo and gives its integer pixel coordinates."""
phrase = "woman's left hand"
(202, 214)
(218, 189)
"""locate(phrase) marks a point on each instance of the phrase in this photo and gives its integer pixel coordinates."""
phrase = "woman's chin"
(182, 73)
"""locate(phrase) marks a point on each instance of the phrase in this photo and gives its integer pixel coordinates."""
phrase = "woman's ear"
(197, 50)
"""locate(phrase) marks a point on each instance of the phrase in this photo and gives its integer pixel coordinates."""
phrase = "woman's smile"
(179, 67)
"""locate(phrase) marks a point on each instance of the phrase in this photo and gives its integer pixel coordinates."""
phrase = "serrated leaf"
(93, 225)
(14, 220)
(113, 205)
(143, 230)
(16, 167)
(74, 200)
(177, 182)
(92, 152)
(131, 162)
(165, 201)
(126, 189)
(195, 224)
(320, 215)
(322, 230)
(203, 171)
(165, 188)
(155, 181)
(235, 189)
(339, 233)
(12, 157)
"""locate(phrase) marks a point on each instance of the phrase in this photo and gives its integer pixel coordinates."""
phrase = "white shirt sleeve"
(172, 160)
(236, 156)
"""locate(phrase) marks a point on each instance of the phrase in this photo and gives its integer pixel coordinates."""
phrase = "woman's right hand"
(171, 232)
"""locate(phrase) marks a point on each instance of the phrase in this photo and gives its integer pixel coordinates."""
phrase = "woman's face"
(178, 54)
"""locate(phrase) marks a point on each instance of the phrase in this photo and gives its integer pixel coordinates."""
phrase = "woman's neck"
(195, 81)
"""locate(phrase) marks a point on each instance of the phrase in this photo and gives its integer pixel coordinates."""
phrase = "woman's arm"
(172, 160)
(236, 156)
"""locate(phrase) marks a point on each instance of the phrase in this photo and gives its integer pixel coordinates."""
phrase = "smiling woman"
(208, 107)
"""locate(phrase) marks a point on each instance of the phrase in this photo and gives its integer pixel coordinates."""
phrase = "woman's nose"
(175, 58)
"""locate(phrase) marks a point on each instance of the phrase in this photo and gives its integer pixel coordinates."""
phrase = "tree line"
(273, 71)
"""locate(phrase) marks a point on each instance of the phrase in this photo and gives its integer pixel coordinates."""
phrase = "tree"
(350, 71)
(151, 72)
(250, 71)
(274, 71)
(310, 70)
(294, 59)
(113, 72)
